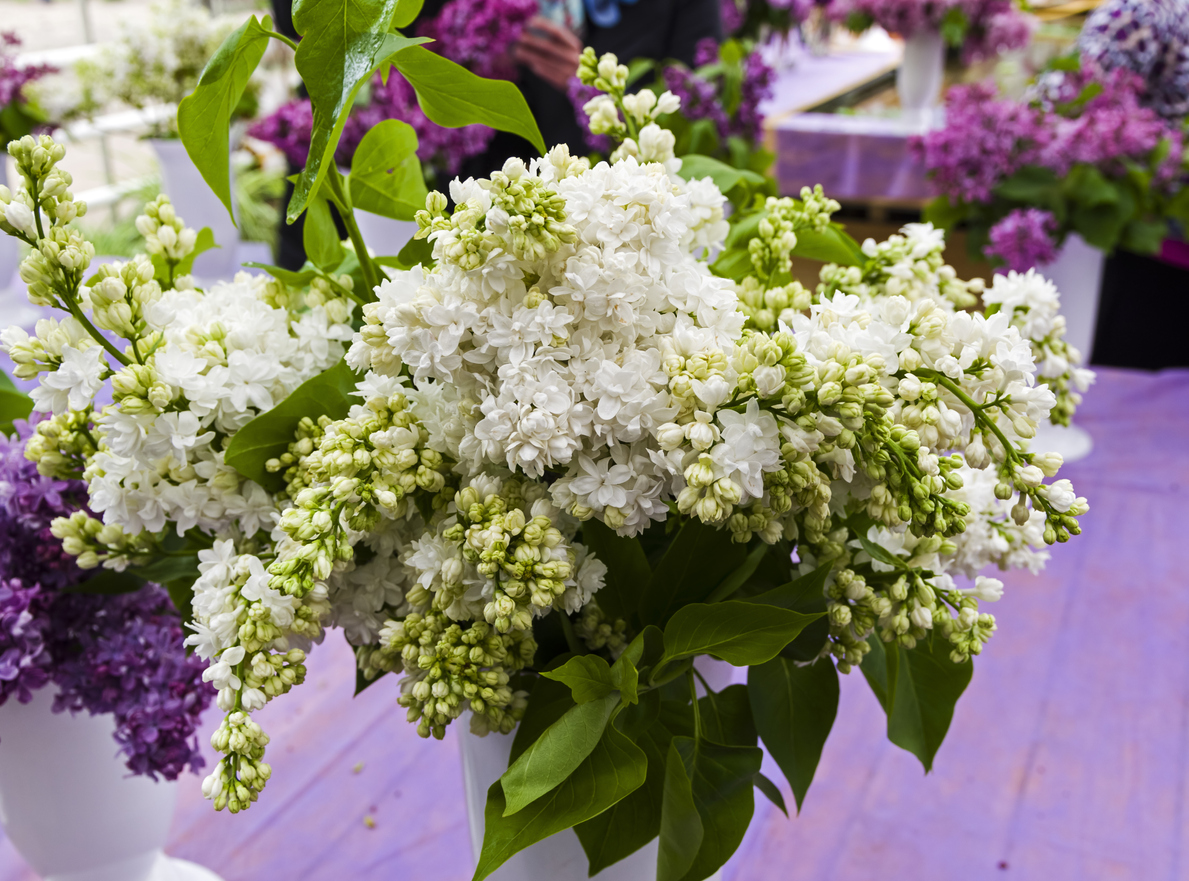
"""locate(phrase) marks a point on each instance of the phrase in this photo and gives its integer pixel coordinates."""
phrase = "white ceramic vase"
(197, 204)
(918, 81)
(384, 236)
(71, 808)
(1077, 273)
(10, 248)
(559, 857)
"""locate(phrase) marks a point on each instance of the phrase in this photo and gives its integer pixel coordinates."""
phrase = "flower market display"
(582, 431)
(477, 34)
(979, 28)
(1082, 152)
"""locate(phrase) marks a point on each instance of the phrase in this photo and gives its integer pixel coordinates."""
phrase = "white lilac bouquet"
(563, 457)
(157, 61)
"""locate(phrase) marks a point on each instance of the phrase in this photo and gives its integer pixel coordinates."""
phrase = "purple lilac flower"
(12, 76)
(1024, 239)
(479, 34)
(732, 15)
(700, 98)
(288, 128)
(121, 654)
(1148, 37)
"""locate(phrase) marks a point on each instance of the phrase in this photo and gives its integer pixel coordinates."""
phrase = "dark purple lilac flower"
(13, 77)
(1024, 239)
(1149, 38)
(579, 95)
(479, 34)
(106, 654)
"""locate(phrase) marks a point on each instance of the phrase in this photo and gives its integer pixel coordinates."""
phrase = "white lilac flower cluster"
(183, 370)
(912, 264)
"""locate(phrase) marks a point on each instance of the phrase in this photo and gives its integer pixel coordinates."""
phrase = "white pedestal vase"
(1077, 273)
(384, 236)
(10, 248)
(559, 857)
(197, 204)
(918, 81)
(70, 806)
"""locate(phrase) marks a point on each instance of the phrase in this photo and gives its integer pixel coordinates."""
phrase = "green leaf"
(548, 701)
(626, 679)
(203, 242)
(588, 677)
(743, 634)
(681, 831)
(733, 582)
(181, 594)
(14, 405)
(406, 12)
(1031, 185)
(725, 177)
(555, 755)
(696, 562)
(725, 717)
(733, 263)
(943, 213)
(631, 823)
(918, 689)
(107, 582)
(269, 434)
(833, 245)
(794, 709)
(615, 768)
(343, 43)
(803, 594)
(204, 117)
(320, 237)
(416, 252)
(771, 792)
(628, 571)
(287, 277)
(452, 96)
(722, 778)
(386, 176)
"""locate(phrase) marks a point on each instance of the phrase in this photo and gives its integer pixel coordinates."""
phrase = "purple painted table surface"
(1066, 758)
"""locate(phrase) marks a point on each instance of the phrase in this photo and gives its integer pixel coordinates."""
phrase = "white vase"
(1077, 273)
(197, 204)
(384, 236)
(70, 806)
(559, 857)
(918, 81)
(10, 248)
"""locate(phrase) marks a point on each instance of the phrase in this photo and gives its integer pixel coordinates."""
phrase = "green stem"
(283, 39)
(74, 310)
(37, 209)
(371, 276)
(693, 697)
(567, 627)
(945, 382)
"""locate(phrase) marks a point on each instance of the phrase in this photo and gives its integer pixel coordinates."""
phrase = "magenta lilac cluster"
(1148, 37)
(478, 34)
(1024, 239)
(13, 76)
(987, 138)
(989, 26)
(121, 654)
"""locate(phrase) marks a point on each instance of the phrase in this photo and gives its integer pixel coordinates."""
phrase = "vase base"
(1072, 442)
(172, 869)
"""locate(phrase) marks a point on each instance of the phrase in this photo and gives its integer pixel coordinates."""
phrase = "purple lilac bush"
(1081, 146)
(982, 28)
(1023, 239)
(119, 654)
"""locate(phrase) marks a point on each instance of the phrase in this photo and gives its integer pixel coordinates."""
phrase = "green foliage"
(698, 559)
(386, 176)
(737, 184)
(554, 756)
(794, 708)
(918, 689)
(14, 404)
(614, 769)
(587, 676)
(269, 434)
(740, 633)
(204, 117)
(452, 96)
(681, 831)
(320, 237)
(628, 571)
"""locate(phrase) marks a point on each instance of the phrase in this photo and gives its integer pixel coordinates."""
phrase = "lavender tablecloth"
(1066, 759)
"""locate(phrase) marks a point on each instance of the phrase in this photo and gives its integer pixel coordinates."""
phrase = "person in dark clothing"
(548, 57)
